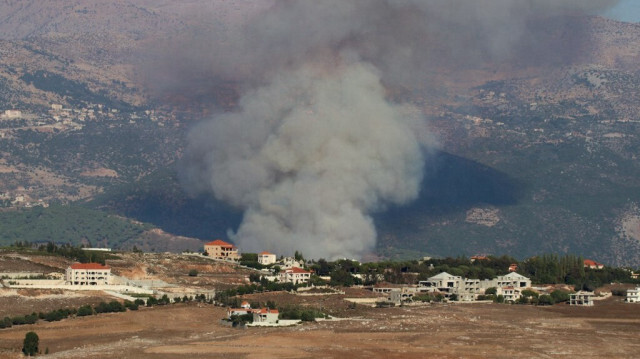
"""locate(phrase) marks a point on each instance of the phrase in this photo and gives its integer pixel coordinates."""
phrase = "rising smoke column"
(308, 157)
(315, 145)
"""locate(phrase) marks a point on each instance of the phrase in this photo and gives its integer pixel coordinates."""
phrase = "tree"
(30, 344)
(545, 299)
(559, 296)
(492, 290)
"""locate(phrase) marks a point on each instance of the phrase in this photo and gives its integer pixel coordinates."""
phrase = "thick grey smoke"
(308, 156)
(314, 145)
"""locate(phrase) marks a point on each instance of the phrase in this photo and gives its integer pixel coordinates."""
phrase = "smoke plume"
(315, 145)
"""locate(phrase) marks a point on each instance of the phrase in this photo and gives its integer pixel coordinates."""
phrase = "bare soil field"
(611, 329)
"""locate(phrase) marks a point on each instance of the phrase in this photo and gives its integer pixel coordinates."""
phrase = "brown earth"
(610, 329)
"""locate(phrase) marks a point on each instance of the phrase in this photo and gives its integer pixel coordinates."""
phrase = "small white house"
(266, 258)
(265, 315)
(238, 311)
(633, 295)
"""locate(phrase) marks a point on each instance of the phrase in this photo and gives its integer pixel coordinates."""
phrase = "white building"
(294, 275)
(509, 293)
(265, 315)
(266, 258)
(88, 274)
(290, 262)
(581, 298)
(443, 282)
(12, 113)
(468, 289)
(633, 295)
(513, 279)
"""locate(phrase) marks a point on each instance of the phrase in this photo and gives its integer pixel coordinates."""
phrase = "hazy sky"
(627, 10)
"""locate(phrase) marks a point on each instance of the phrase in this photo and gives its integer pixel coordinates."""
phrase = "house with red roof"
(265, 315)
(294, 275)
(88, 274)
(266, 258)
(219, 249)
(588, 263)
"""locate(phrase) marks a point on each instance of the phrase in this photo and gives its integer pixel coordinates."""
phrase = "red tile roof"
(480, 258)
(592, 264)
(263, 253)
(266, 310)
(220, 243)
(296, 270)
(88, 266)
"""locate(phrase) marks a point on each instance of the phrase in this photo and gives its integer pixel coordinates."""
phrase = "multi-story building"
(509, 293)
(294, 275)
(467, 289)
(512, 279)
(266, 258)
(581, 298)
(633, 295)
(88, 274)
(222, 250)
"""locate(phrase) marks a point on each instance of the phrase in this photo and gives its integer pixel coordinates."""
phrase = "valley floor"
(610, 329)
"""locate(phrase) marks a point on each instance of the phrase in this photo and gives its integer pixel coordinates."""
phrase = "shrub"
(560, 296)
(522, 300)
(18, 320)
(6, 323)
(193, 273)
(152, 301)
(56, 315)
(545, 299)
(115, 306)
(84, 311)
(31, 319)
(491, 291)
(138, 302)
(30, 344)
(620, 292)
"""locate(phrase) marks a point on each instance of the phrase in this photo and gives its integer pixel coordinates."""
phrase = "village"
(236, 292)
(296, 275)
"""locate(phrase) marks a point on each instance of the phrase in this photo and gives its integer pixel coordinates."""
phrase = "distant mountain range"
(531, 160)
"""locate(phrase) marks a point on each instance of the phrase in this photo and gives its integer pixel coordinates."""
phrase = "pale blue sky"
(627, 10)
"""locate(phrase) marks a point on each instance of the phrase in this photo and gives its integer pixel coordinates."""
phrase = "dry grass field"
(611, 329)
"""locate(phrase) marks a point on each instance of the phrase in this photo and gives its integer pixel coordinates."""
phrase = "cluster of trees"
(227, 297)
(544, 269)
(113, 306)
(59, 314)
(569, 269)
(66, 224)
(306, 314)
(67, 251)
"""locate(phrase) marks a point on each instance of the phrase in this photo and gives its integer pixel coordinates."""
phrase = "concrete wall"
(59, 284)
